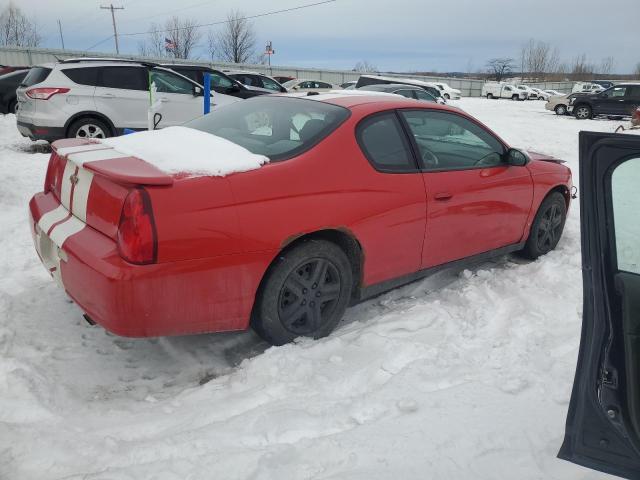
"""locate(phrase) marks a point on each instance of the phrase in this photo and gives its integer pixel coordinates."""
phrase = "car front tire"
(304, 294)
(583, 112)
(547, 226)
(561, 110)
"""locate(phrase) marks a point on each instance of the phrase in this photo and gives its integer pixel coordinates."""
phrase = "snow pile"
(464, 375)
(186, 150)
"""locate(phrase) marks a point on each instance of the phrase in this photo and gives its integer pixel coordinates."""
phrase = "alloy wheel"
(550, 228)
(309, 295)
(583, 112)
(90, 130)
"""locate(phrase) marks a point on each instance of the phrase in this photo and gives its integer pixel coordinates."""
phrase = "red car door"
(476, 202)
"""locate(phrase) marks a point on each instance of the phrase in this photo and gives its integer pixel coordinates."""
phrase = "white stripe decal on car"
(95, 155)
(63, 152)
(81, 193)
(65, 191)
(64, 230)
(54, 216)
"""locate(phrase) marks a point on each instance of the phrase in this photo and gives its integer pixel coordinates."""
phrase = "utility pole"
(268, 52)
(60, 30)
(113, 19)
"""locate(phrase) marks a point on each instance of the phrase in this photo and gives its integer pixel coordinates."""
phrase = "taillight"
(53, 179)
(137, 242)
(44, 93)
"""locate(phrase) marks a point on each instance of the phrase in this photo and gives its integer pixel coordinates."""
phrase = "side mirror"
(197, 91)
(517, 158)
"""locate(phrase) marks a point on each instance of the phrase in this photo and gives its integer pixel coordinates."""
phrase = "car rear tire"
(489, 96)
(304, 294)
(12, 107)
(515, 97)
(547, 226)
(89, 127)
(446, 95)
(583, 112)
(561, 109)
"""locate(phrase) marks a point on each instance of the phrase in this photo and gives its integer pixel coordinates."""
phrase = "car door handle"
(164, 99)
(442, 196)
(107, 95)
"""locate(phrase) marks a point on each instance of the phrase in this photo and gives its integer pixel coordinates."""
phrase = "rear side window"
(82, 76)
(36, 75)
(195, 75)
(127, 78)
(384, 143)
(276, 127)
(633, 91)
(405, 93)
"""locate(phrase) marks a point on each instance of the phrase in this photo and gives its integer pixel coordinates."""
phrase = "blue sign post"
(207, 93)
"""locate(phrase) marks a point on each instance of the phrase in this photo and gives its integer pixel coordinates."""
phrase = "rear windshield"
(35, 75)
(277, 127)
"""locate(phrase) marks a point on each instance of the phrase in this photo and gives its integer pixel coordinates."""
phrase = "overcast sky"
(399, 35)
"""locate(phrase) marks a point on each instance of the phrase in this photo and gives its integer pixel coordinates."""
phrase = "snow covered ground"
(461, 376)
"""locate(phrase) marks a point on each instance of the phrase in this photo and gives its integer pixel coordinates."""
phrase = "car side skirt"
(382, 287)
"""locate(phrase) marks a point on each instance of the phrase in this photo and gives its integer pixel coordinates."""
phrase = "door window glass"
(127, 78)
(422, 95)
(384, 143)
(633, 92)
(451, 142)
(167, 82)
(270, 84)
(624, 185)
(405, 93)
(617, 92)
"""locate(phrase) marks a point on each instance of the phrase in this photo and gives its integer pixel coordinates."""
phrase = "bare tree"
(581, 69)
(538, 59)
(364, 66)
(212, 44)
(16, 29)
(606, 66)
(153, 45)
(236, 42)
(499, 68)
(637, 72)
(183, 34)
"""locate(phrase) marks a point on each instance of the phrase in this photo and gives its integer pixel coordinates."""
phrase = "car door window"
(422, 95)
(384, 143)
(127, 78)
(323, 85)
(447, 141)
(616, 92)
(405, 93)
(633, 92)
(270, 84)
(624, 183)
(167, 82)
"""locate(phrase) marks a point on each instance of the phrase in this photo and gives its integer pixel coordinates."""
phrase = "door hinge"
(609, 378)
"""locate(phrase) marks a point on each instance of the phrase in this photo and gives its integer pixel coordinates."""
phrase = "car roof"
(408, 81)
(353, 98)
(383, 87)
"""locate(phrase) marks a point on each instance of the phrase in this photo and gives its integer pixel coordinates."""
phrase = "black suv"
(620, 100)
(220, 82)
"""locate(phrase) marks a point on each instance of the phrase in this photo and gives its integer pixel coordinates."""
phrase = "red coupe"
(362, 193)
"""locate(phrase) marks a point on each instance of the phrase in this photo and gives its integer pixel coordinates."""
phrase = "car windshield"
(289, 84)
(277, 127)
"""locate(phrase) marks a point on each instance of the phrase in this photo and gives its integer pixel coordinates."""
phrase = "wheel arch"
(342, 237)
(88, 114)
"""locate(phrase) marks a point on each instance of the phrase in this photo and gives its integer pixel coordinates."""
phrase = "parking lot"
(462, 375)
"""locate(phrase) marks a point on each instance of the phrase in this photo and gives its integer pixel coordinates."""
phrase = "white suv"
(100, 98)
(447, 92)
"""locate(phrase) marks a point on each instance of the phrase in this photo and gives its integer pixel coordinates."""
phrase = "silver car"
(97, 98)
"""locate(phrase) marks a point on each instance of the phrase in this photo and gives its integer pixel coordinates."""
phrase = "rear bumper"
(37, 132)
(174, 298)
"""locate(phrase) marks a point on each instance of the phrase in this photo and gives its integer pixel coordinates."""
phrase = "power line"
(113, 19)
(248, 17)
(146, 17)
(100, 42)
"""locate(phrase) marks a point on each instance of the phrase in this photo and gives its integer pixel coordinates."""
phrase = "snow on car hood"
(186, 150)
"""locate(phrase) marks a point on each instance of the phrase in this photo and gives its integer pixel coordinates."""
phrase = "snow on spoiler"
(108, 162)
